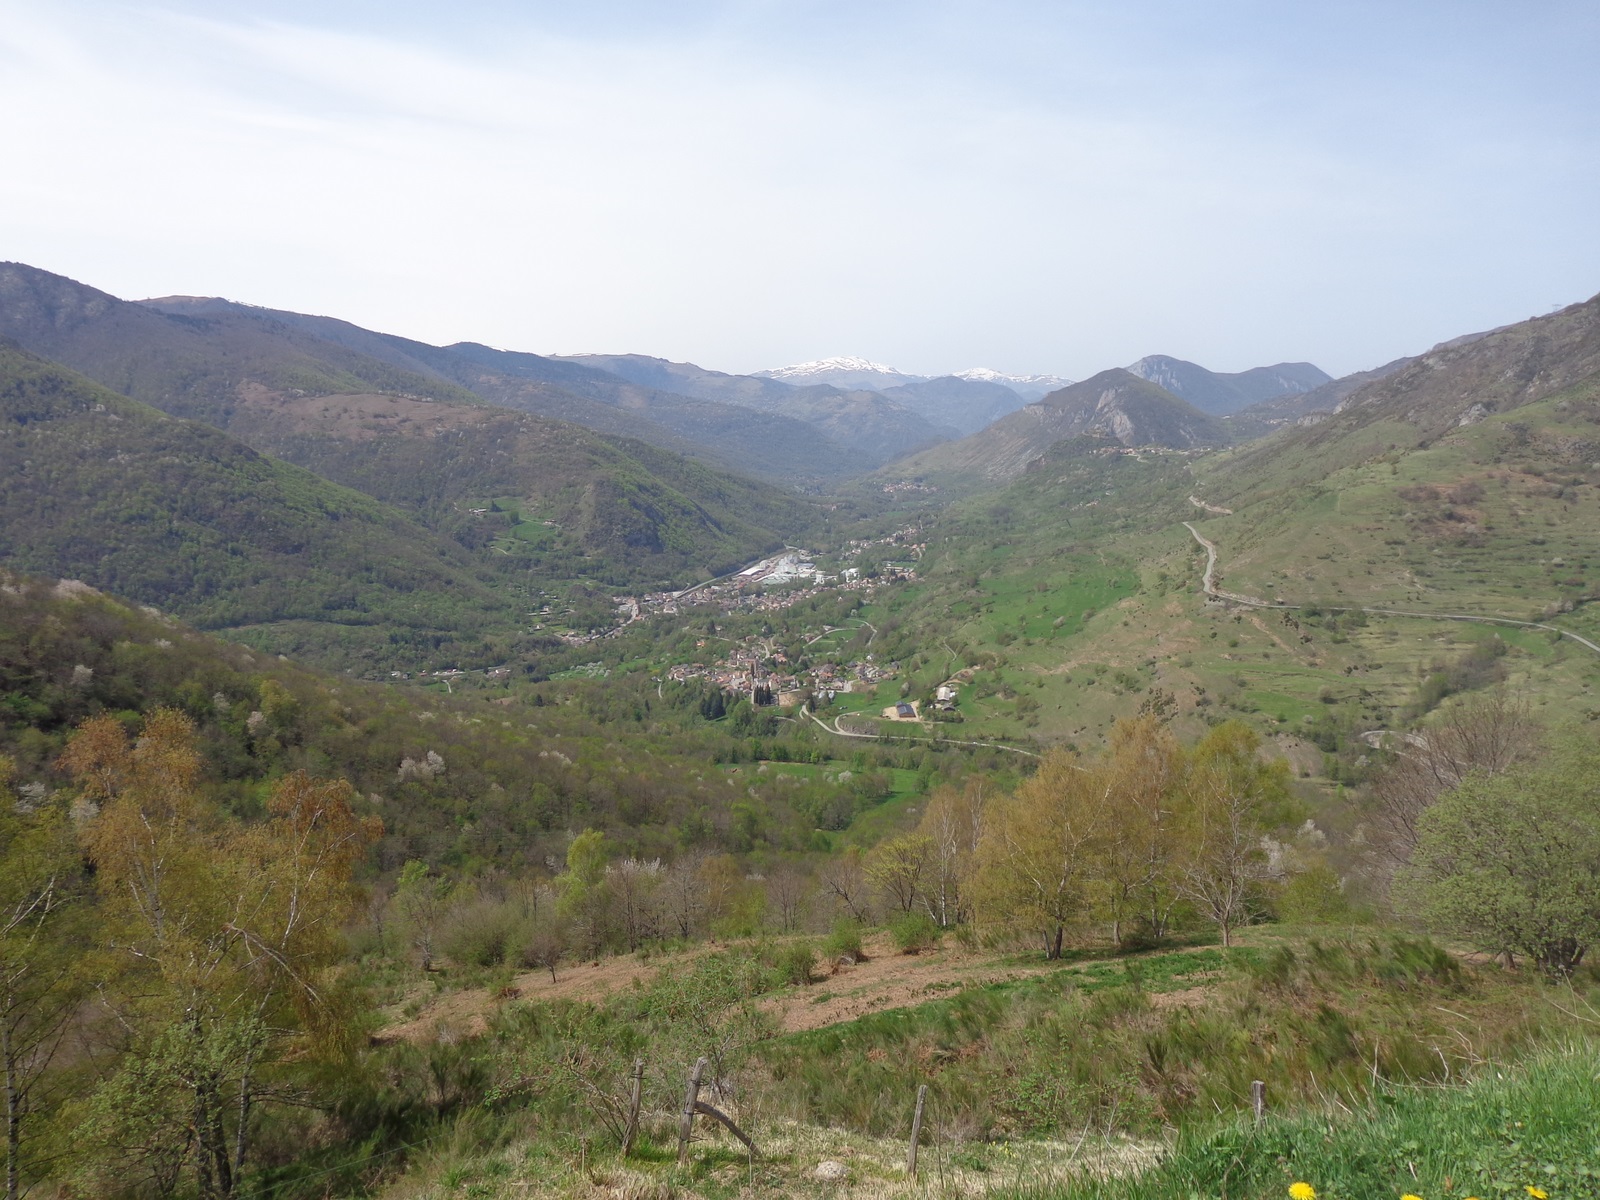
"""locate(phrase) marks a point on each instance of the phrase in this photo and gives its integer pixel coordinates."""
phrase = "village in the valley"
(760, 669)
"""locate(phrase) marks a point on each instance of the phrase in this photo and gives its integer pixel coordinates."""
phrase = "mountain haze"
(964, 405)
(842, 372)
(874, 424)
(773, 446)
(1292, 408)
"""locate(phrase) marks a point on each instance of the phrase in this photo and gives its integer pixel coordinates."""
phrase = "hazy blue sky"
(1031, 186)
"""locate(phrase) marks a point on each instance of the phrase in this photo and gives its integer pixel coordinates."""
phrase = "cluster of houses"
(767, 586)
(763, 674)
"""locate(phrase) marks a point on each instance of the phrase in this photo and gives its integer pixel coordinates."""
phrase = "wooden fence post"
(691, 1097)
(1258, 1101)
(916, 1132)
(632, 1130)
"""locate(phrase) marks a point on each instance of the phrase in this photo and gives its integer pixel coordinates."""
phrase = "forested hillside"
(97, 487)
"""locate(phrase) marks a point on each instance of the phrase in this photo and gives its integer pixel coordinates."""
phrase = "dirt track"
(887, 979)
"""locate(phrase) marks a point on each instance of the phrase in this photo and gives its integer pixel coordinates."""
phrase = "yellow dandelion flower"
(1410, 1196)
(1302, 1191)
(1537, 1193)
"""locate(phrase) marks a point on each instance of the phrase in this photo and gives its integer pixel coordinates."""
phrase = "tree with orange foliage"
(226, 940)
(41, 950)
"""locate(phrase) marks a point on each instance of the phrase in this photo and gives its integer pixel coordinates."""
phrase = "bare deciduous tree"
(789, 891)
(898, 867)
(953, 825)
(845, 880)
(683, 898)
(1488, 734)
(635, 887)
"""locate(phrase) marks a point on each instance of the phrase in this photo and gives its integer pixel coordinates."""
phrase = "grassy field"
(1071, 1080)
(1501, 518)
(1528, 1130)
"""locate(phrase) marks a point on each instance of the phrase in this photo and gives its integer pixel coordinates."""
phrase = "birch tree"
(953, 825)
(1136, 864)
(1035, 862)
(1229, 800)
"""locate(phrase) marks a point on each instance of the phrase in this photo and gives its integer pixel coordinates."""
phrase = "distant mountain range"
(322, 489)
(1029, 387)
(877, 424)
(862, 372)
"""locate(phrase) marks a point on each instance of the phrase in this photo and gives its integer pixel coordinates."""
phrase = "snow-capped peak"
(823, 370)
(985, 375)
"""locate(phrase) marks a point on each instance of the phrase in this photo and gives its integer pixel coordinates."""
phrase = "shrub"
(485, 933)
(914, 932)
(845, 939)
(796, 962)
(1314, 895)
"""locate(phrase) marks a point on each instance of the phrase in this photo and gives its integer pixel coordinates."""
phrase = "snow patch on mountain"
(1029, 383)
(853, 372)
(832, 370)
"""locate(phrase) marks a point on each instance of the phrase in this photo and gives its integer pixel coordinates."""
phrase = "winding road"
(1209, 587)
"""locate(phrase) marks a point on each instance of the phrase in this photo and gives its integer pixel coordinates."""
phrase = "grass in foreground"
(1531, 1130)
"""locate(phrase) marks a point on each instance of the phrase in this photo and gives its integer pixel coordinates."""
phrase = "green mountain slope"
(178, 515)
(1469, 479)
(311, 391)
(584, 506)
(1463, 485)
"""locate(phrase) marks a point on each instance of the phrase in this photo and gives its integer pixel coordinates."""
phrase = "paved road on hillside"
(1208, 586)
